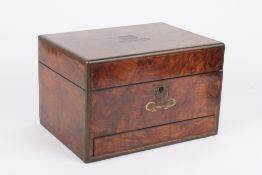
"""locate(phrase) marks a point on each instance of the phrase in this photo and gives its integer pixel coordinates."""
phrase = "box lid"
(105, 44)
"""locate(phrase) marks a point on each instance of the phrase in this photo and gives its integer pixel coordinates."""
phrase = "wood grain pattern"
(61, 62)
(157, 67)
(94, 86)
(62, 109)
(122, 109)
(118, 42)
(156, 135)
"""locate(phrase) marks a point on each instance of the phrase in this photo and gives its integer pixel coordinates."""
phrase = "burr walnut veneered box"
(109, 92)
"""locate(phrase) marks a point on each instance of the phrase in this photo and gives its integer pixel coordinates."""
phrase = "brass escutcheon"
(153, 106)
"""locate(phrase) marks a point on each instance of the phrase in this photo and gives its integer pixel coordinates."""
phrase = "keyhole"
(161, 92)
(161, 89)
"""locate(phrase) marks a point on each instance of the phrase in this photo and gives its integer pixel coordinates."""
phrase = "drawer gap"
(141, 138)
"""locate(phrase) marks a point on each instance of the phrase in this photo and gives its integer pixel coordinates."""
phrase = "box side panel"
(219, 100)
(62, 109)
(156, 67)
(62, 62)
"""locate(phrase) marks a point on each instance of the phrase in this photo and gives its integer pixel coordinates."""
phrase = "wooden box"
(109, 92)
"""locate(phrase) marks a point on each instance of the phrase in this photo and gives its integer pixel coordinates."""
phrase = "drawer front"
(144, 105)
(156, 67)
(155, 136)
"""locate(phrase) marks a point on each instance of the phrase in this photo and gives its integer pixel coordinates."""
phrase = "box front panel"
(137, 117)
(144, 105)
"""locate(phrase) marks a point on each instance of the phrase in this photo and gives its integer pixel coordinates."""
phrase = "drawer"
(155, 136)
(139, 106)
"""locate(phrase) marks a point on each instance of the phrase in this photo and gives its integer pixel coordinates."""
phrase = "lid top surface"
(124, 41)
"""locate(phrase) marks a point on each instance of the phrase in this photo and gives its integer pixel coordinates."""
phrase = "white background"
(27, 148)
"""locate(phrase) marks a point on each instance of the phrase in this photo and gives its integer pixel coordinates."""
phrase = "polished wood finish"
(62, 62)
(156, 67)
(62, 109)
(95, 88)
(122, 109)
(158, 135)
(119, 42)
